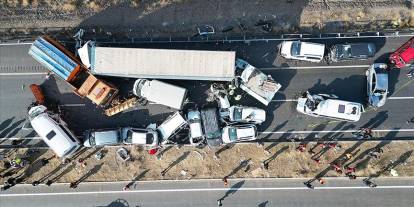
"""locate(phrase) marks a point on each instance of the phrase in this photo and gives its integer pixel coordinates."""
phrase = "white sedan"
(307, 51)
(239, 133)
(245, 114)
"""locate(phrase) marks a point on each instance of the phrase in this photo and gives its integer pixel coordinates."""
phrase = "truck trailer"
(158, 63)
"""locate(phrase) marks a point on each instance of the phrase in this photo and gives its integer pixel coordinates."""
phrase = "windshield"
(92, 140)
(232, 134)
(150, 138)
(237, 113)
(295, 50)
(71, 151)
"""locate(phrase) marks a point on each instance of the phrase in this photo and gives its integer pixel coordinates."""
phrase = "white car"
(377, 84)
(147, 137)
(196, 129)
(239, 133)
(297, 50)
(245, 114)
(329, 107)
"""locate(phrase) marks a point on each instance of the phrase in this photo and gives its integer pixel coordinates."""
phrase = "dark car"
(211, 126)
(351, 51)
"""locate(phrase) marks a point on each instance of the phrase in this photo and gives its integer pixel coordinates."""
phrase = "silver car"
(377, 84)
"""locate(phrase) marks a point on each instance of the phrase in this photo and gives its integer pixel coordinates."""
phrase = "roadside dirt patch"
(242, 160)
(180, 18)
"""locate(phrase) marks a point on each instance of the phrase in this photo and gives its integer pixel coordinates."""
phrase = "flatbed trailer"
(159, 63)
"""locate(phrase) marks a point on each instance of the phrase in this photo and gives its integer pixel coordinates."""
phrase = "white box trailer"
(159, 63)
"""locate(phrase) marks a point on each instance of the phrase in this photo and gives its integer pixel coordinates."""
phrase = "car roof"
(382, 81)
(43, 124)
(313, 49)
(103, 137)
(340, 109)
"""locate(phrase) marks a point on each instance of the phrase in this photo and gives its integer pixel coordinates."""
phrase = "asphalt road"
(395, 192)
(18, 70)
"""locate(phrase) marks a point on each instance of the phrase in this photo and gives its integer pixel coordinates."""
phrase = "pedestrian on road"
(348, 155)
(308, 185)
(73, 185)
(219, 202)
(226, 183)
(265, 165)
(311, 152)
(126, 188)
(82, 162)
(321, 181)
(35, 183)
(351, 176)
(49, 183)
(369, 183)
(44, 162)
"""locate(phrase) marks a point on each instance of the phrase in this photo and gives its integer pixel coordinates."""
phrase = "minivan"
(54, 132)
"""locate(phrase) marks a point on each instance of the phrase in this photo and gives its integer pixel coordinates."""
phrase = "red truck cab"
(403, 55)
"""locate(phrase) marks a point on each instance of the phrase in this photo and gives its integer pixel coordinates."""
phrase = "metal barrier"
(65, 35)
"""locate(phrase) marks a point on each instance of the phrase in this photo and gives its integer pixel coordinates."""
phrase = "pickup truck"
(257, 84)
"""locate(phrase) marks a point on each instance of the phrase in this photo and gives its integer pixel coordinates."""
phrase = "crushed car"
(307, 51)
(257, 84)
(239, 133)
(351, 51)
(236, 114)
(328, 106)
(377, 84)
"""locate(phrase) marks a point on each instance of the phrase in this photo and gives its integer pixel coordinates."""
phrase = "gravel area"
(243, 160)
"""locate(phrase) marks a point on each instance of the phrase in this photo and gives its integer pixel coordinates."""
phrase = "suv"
(352, 51)
(209, 118)
(403, 55)
(239, 133)
(171, 126)
(328, 106)
(308, 51)
(196, 130)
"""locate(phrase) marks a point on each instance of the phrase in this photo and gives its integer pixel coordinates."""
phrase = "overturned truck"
(64, 64)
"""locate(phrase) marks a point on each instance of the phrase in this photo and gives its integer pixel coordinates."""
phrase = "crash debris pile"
(209, 125)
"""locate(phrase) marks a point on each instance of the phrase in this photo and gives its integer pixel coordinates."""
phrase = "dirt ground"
(180, 18)
(241, 160)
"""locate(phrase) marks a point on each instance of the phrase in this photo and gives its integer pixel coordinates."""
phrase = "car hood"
(312, 49)
(257, 115)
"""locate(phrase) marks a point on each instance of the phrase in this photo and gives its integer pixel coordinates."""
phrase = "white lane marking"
(204, 190)
(401, 98)
(19, 138)
(390, 98)
(316, 67)
(20, 74)
(336, 131)
(17, 43)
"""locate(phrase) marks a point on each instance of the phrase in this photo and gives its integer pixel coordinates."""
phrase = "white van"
(53, 132)
(171, 126)
(323, 105)
(160, 92)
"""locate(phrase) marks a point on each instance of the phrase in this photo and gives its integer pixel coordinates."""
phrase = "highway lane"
(241, 192)
(347, 82)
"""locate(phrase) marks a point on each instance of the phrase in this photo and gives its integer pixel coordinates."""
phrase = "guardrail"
(125, 37)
